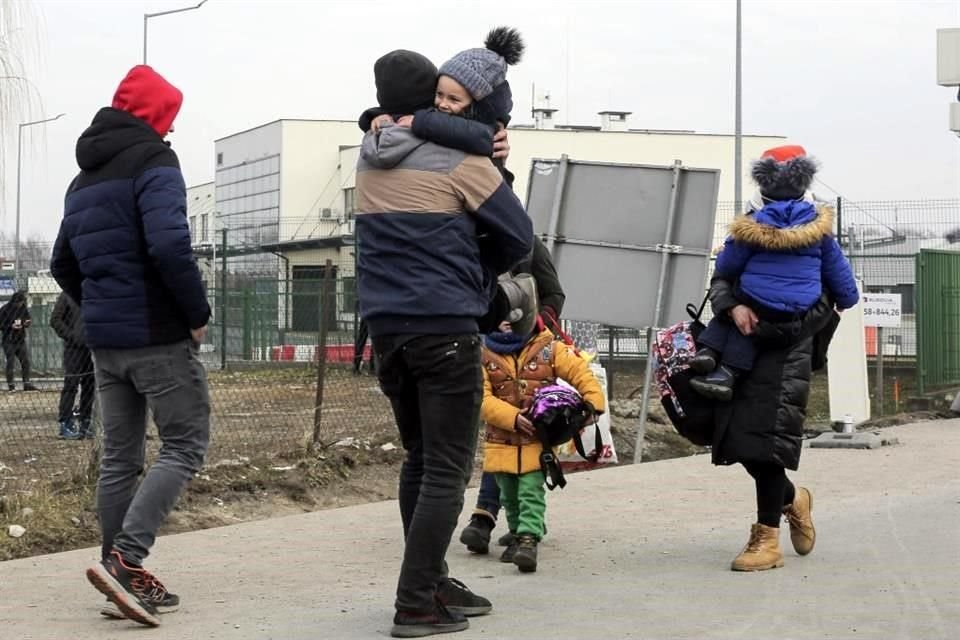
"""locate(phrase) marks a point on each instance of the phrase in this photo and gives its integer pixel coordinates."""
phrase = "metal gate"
(938, 318)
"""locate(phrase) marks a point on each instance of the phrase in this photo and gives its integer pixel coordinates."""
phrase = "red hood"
(145, 94)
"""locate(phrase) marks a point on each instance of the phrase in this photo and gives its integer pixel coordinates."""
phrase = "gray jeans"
(172, 382)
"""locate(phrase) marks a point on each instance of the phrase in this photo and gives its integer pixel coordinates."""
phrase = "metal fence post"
(610, 339)
(247, 326)
(223, 301)
(880, 371)
(840, 222)
(322, 348)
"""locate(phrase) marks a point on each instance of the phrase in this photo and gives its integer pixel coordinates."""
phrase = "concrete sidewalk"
(636, 552)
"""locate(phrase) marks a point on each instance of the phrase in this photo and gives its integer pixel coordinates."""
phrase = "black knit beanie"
(406, 81)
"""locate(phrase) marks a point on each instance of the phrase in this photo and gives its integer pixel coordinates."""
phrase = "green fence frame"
(938, 318)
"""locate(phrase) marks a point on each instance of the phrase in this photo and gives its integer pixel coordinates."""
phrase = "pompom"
(507, 43)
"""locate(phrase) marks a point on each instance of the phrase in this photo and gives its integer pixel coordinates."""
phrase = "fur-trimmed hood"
(784, 225)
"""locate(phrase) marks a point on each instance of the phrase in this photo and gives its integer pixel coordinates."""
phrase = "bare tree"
(19, 44)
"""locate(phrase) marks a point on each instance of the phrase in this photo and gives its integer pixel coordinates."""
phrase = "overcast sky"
(852, 80)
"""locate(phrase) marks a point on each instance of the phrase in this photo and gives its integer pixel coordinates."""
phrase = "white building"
(284, 192)
(201, 212)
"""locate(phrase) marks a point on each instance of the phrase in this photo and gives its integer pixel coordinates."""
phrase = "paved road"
(635, 552)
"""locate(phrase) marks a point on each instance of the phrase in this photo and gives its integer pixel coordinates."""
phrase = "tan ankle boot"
(762, 551)
(802, 533)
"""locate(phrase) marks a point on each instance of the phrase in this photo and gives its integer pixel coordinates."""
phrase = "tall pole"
(738, 130)
(147, 16)
(16, 240)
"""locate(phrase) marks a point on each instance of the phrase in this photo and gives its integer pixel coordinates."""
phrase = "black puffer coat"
(764, 421)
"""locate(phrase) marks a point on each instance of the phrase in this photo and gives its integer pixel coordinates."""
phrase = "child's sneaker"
(525, 557)
(716, 385)
(507, 555)
(476, 535)
(507, 539)
(133, 589)
(416, 625)
(704, 361)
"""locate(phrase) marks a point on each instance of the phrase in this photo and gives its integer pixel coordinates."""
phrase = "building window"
(306, 289)
(220, 159)
(203, 227)
(193, 227)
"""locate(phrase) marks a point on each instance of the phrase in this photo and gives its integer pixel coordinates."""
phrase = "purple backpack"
(559, 414)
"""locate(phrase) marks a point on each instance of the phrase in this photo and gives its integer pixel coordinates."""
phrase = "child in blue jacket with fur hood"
(781, 255)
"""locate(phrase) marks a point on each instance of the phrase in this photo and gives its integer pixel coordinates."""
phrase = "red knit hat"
(147, 95)
(784, 173)
(785, 153)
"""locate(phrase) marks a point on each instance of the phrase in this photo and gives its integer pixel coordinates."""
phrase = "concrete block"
(863, 440)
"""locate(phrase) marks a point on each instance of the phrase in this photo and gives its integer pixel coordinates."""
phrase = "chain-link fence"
(280, 356)
(285, 317)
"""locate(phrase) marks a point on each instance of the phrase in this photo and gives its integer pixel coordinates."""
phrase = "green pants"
(524, 499)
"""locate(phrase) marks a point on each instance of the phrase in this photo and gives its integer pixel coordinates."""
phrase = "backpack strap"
(696, 312)
(557, 329)
(597, 442)
(552, 473)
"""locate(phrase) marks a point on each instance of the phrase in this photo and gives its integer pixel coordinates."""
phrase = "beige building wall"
(312, 175)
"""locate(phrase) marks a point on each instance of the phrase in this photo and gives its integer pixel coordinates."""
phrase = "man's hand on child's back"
(377, 123)
(405, 121)
(501, 146)
(524, 425)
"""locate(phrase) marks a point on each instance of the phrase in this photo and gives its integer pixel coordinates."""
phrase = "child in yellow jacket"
(514, 367)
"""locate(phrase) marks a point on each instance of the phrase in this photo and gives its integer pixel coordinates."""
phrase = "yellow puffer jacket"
(509, 382)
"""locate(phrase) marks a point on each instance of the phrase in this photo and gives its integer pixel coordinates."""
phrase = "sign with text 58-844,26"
(881, 309)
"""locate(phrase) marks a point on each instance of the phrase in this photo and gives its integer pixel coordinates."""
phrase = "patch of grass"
(57, 516)
(60, 513)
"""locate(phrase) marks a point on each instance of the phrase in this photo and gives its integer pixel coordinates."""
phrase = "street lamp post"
(16, 245)
(738, 130)
(147, 16)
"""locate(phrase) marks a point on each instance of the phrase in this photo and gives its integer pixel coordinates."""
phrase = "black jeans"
(434, 383)
(77, 372)
(774, 491)
(19, 351)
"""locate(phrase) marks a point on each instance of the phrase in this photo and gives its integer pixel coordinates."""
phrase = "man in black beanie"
(422, 286)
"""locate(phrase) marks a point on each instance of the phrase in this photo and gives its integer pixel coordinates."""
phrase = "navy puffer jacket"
(124, 251)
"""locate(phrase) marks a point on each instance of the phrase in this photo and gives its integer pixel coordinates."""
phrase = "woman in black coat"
(762, 427)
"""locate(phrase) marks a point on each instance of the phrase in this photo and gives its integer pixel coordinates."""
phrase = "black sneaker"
(27, 386)
(525, 557)
(129, 587)
(476, 535)
(716, 385)
(507, 555)
(167, 603)
(704, 361)
(507, 539)
(456, 597)
(407, 624)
